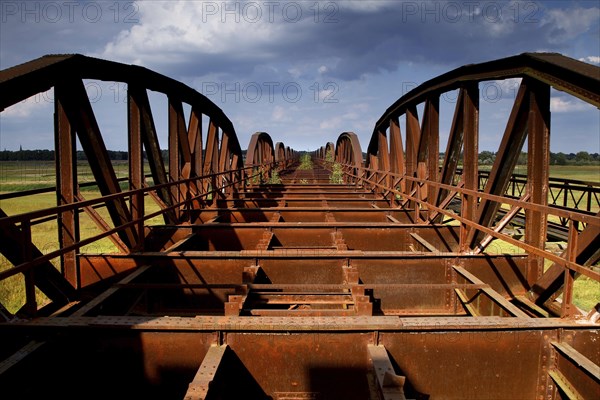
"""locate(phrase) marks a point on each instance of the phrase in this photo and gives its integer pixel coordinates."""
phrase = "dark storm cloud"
(31, 29)
(350, 38)
(368, 50)
(368, 42)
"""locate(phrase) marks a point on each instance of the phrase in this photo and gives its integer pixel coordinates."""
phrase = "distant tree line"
(48, 155)
(485, 157)
(580, 158)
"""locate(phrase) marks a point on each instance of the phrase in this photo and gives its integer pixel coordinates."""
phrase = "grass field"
(18, 176)
(45, 238)
(588, 173)
(26, 175)
(586, 291)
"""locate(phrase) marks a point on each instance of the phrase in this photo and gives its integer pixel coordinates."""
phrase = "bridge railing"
(373, 179)
(567, 194)
(409, 169)
(204, 164)
(37, 267)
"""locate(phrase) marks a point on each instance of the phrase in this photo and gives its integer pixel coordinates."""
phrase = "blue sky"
(303, 71)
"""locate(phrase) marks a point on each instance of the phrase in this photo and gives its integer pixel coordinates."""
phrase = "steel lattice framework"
(381, 287)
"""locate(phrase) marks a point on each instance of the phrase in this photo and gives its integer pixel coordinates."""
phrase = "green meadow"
(26, 175)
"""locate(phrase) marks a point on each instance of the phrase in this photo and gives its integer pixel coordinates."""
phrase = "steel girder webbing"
(205, 163)
(413, 178)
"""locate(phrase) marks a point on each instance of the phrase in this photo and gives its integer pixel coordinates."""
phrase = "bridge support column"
(538, 161)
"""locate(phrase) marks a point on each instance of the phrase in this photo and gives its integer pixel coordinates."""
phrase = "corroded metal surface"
(374, 288)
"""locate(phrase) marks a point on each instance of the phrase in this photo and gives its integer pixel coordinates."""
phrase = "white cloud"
(170, 32)
(362, 5)
(328, 93)
(569, 23)
(295, 72)
(566, 105)
(279, 114)
(590, 59)
(30, 106)
(332, 124)
(369, 53)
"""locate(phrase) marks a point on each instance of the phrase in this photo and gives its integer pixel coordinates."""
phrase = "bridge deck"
(381, 287)
(298, 290)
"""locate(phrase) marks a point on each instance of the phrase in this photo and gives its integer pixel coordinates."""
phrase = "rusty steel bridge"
(256, 277)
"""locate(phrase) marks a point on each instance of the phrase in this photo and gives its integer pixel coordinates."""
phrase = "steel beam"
(66, 185)
(470, 119)
(429, 147)
(413, 137)
(391, 386)
(136, 166)
(200, 387)
(538, 170)
(506, 159)
(347, 294)
(46, 277)
(453, 148)
(139, 97)
(396, 150)
(76, 104)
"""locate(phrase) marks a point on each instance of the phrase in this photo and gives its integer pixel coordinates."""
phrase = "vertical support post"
(432, 131)
(211, 157)
(195, 141)
(30, 300)
(30, 306)
(152, 146)
(470, 160)
(427, 156)
(374, 165)
(75, 101)
(567, 301)
(174, 154)
(396, 151)
(390, 386)
(136, 167)
(178, 128)
(506, 159)
(384, 159)
(66, 190)
(237, 177)
(538, 161)
(413, 135)
(453, 148)
(224, 156)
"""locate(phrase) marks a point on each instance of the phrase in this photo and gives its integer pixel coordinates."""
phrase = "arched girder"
(75, 118)
(260, 150)
(529, 121)
(329, 149)
(348, 150)
(23, 81)
(280, 153)
(560, 72)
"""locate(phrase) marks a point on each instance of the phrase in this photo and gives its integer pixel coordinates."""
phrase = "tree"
(559, 158)
(486, 158)
(583, 157)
